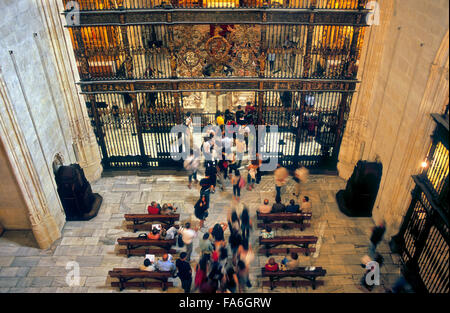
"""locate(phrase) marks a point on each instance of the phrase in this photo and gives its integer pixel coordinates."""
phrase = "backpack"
(142, 236)
(180, 241)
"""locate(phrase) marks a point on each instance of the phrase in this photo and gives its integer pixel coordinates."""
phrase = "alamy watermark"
(249, 137)
(73, 277)
(73, 14)
(373, 17)
(373, 274)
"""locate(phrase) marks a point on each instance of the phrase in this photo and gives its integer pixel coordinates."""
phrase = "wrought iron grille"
(140, 60)
(89, 5)
(424, 233)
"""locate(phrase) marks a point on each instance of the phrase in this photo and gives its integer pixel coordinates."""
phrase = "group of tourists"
(224, 264)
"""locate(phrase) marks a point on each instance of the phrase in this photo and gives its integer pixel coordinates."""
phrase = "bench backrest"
(301, 271)
(289, 239)
(135, 240)
(136, 272)
(151, 217)
(284, 215)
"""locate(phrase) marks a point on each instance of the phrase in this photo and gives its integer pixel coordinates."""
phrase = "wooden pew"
(141, 221)
(302, 243)
(134, 243)
(297, 218)
(310, 276)
(140, 278)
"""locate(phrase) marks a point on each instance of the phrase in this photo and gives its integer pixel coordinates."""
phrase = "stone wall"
(13, 211)
(404, 78)
(41, 111)
(28, 74)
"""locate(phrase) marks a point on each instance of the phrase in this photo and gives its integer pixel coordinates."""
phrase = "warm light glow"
(424, 164)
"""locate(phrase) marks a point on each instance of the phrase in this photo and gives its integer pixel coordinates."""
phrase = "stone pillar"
(43, 224)
(354, 139)
(83, 138)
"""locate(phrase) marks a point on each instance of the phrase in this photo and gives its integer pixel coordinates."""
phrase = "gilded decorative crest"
(217, 47)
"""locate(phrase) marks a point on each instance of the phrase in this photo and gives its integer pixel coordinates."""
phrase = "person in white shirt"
(171, 233)
(227, 144)
(309, 99)
(300, 176)
(191, 165)
(207, 150)
(188, 234)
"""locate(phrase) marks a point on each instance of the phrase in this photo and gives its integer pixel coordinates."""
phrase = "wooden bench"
(141, 221)
(134, 243)
(297, 218)
(302, 243)
(301, 272)
(140, 278)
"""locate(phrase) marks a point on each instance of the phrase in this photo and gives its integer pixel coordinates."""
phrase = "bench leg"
(272, 285)
(314, 283)
(302, 227)
(267, 250)
(121, 284)
(164, 285)
(306, 249)
(128, 250)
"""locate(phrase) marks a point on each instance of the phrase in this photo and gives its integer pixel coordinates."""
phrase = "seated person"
(292, 207)
(170, 233)
(271, 265)
(153, 208)
(278, 207)
(147, 266)
(306, 205)
(166, 264)
(167, 209)
(267, 233)
(292, 263)
(265, 208)
(154, 234)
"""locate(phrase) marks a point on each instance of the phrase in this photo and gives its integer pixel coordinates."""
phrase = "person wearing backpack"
(188, 234)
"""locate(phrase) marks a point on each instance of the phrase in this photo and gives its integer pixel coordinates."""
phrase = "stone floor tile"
(22, 261)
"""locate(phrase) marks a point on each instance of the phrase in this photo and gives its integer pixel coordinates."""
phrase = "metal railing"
(98, 5)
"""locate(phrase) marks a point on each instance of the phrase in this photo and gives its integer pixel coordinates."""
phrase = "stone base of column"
(88, 157)
(345, 169)
(46, 232)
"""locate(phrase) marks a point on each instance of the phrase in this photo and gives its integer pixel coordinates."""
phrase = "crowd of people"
(224, 264)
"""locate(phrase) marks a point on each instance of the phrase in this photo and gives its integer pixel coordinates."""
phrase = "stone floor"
(342, 240)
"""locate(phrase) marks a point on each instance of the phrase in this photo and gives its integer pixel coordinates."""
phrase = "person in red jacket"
(153, 208)
(271, 265)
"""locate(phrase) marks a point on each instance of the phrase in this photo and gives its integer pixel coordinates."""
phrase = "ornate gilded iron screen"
(424, 235)
(143, 64)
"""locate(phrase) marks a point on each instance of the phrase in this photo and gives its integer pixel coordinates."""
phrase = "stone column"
(43, 224)
(354, 139)
(83, 138)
